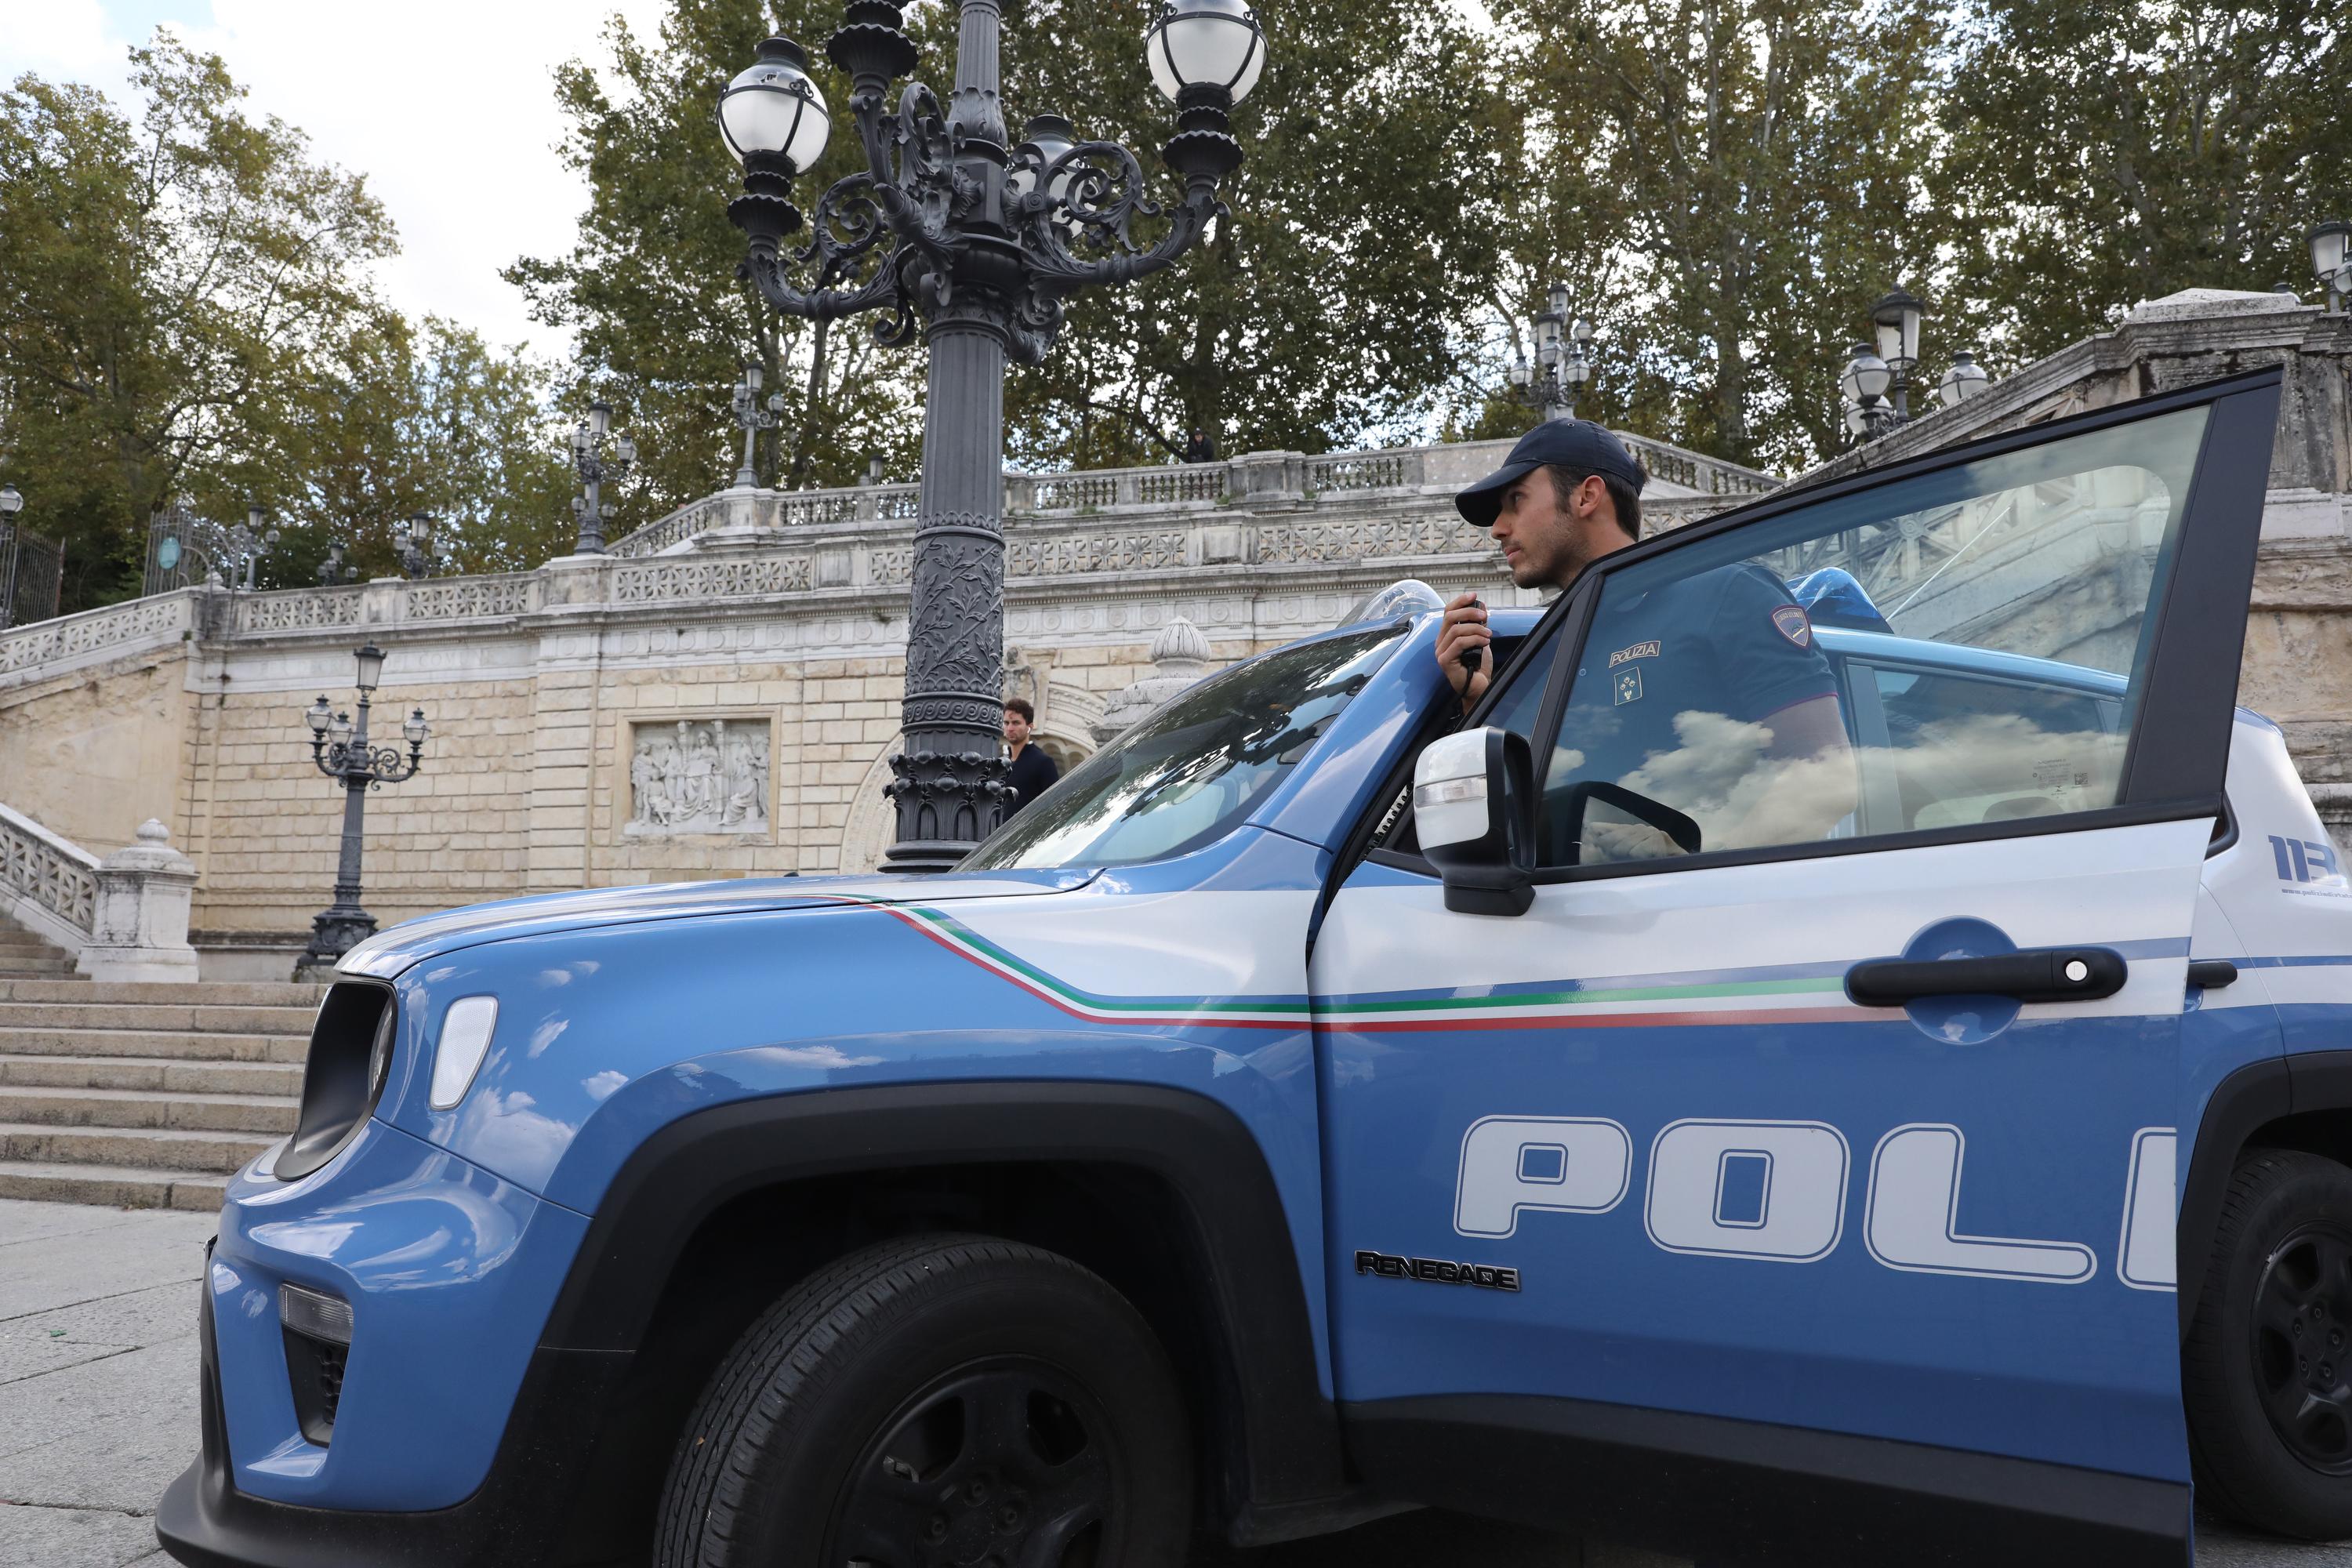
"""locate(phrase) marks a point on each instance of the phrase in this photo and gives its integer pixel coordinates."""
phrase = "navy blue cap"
(1577, 443)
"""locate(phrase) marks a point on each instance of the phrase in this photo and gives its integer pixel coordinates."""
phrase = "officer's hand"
(1466, 628)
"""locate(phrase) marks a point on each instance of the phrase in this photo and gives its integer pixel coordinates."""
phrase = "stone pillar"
(141, 932)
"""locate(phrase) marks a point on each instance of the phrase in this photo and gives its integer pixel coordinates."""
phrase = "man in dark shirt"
(1033, 771)
(1684, 689)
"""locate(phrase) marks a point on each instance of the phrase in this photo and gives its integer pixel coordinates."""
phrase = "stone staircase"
(142, 1096)
(27, 955)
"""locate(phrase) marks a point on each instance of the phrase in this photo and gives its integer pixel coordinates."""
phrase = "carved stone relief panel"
(689, 776)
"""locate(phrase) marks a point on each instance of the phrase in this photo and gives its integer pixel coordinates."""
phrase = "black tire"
(938, 1399)
(2266, 1371)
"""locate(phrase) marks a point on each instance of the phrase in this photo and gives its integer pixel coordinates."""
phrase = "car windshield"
(1194, 769)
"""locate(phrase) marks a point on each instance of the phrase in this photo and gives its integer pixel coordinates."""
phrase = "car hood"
(393, 950)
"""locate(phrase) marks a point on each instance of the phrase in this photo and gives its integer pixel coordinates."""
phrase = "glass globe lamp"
(1205, 43)
(773, 108)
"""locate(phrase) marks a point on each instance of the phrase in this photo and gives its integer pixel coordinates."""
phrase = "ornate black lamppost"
(250, 540)
(1563, 360)
(412, 540)
(341, 751)
(332, 570)
(952, 229)
(589, 461)
(753, 419)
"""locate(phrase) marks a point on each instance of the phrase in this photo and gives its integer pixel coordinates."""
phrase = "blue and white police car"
(1926, 1146)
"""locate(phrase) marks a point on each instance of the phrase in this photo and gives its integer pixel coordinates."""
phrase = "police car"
(1924, 1146)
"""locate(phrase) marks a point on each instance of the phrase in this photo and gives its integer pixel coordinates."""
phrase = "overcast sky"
(447, 106)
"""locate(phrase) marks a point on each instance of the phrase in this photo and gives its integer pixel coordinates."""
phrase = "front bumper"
(205, 1521)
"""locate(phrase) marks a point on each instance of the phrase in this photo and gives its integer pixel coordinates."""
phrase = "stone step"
(121, 1109)
(201, 992)
(116, 1186)
(171, 1016)
(146, 1148)
(171, 1045)
(53, 968)
(153, 1075)
(15, 941)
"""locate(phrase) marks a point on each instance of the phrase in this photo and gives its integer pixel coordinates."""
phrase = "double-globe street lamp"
(953, 229)
(340, 748)
(413, 543)
(1876, 382)
(1563, 360)
(593, 466)
(753, 419)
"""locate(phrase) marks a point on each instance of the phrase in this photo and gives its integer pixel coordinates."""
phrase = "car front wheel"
(932, 1401)
(2266, 1371)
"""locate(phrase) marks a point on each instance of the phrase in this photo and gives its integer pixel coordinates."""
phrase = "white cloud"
(447, 106)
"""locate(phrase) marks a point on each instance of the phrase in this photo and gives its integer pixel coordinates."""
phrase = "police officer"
(1728, 642)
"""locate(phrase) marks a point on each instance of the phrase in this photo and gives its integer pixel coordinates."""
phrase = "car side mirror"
(1474, 812)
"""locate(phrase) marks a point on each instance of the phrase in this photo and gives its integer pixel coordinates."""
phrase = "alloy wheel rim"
(2303, 1345)
(1003, 1463)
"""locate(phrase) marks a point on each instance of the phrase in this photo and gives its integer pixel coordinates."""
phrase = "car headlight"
(465, 1031)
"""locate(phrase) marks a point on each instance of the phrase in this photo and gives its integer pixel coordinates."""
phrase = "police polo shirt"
(1728, 641)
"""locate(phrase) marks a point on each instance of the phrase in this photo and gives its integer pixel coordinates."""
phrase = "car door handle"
(2211, 973)
(2030, 974)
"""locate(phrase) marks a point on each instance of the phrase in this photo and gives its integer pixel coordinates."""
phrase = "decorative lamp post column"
(753, 419)
(589, 462)
(340, 749)
(953, 231)
(2328, 260)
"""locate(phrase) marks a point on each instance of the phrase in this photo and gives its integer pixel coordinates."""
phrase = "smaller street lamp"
(12, 502)
(413, 540)
(340, 749)
(2328, 260)
(1865, 381)
(1896, 322)
(1563, 360)
(588, 458)
(749, 414)
(1963, 381)
(332, 570)
(251, 540)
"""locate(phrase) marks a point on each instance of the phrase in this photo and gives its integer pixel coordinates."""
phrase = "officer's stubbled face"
(1547, 539)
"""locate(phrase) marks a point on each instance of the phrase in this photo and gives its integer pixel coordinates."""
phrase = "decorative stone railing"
(1259, 480)
(123, 918)
(70, 639)
(48, 883)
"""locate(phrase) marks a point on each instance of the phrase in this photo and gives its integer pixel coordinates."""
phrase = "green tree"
(1738, 180)
(661, 321)
(1328, 310)
(2112, 151)
(167, 287)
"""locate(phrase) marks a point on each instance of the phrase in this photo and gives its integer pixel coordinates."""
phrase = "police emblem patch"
(1627, 685)
(1790, 621)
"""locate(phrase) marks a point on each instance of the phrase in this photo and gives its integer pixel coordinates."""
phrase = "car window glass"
(1926, 784)
(1192, 771)
(1713, 706)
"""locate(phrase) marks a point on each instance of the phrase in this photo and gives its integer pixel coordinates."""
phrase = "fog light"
(321, 1317)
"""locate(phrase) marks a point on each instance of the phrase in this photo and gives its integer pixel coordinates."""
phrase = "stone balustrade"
(1258, 480)
(124, 917)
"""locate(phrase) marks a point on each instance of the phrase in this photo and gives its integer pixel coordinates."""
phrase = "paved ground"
(98, 1411)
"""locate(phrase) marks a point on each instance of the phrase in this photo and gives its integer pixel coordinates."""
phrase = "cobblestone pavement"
(98, 1412)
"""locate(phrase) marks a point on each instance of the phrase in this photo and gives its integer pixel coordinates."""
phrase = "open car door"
(1793, 1175)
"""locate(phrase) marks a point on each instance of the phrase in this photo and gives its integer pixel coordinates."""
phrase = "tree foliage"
(2104, 152)
(188, 317)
